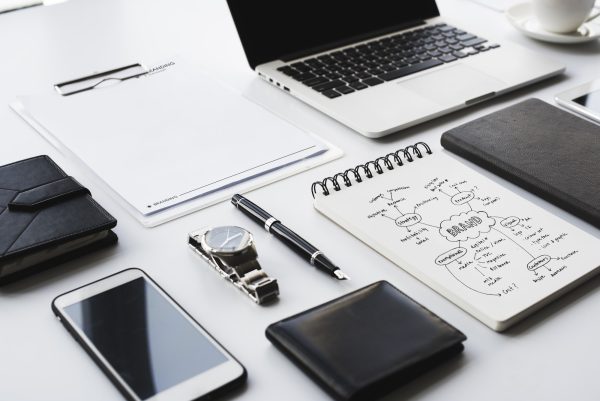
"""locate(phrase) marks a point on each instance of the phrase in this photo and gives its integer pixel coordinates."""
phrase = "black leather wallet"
(366, 343)
(46, 217)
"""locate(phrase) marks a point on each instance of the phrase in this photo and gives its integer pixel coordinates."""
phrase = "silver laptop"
(379, 66)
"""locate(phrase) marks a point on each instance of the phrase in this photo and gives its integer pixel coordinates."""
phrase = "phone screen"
(590, 100)
(150, 344)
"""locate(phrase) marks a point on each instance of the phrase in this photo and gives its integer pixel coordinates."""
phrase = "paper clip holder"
(97, 80)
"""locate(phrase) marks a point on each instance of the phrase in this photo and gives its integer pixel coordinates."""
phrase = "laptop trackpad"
(453, 85)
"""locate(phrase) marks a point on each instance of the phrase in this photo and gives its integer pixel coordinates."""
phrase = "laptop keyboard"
(356, 68)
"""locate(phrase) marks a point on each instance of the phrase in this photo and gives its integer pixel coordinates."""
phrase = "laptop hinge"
(350, 40)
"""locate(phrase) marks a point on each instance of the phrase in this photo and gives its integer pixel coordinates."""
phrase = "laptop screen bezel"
(255, 58)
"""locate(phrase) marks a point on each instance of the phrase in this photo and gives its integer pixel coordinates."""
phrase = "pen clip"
(94, 81)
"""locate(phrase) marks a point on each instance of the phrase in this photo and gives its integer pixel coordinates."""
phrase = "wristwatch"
(231, 251)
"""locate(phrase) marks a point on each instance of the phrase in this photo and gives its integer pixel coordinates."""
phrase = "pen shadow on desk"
(462, 116)
(50, 275)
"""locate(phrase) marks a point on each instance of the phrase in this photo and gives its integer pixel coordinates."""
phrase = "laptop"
(379, 66)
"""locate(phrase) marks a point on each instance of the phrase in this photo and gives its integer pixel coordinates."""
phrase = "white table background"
(551, 356)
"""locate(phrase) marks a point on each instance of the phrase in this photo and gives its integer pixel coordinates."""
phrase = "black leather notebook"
(547, 151)
(46, 217)
(366, 343)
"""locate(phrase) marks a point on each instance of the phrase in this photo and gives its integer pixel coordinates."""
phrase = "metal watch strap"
(255, 282)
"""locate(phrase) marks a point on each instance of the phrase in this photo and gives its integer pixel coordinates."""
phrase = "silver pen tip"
(341, 275)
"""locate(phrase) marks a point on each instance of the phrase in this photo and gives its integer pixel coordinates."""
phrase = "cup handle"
(595, 13)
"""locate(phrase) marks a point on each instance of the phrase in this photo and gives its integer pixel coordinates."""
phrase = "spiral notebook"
(492, 253)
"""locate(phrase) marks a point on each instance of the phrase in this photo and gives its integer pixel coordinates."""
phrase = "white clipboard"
(169, 140)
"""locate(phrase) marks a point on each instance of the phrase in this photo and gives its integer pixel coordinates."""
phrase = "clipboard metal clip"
(94, 81)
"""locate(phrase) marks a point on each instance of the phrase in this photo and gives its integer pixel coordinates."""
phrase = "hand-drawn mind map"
(482, 247)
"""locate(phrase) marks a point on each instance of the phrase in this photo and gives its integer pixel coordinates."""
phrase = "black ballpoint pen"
(288, 237)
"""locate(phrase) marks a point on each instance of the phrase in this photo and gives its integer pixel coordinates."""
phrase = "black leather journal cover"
(547, 151)
(366, 343)
(46, 217)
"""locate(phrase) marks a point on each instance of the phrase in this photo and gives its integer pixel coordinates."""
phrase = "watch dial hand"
(229, 239)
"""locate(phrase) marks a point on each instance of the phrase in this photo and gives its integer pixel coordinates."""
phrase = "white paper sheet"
(169, 137)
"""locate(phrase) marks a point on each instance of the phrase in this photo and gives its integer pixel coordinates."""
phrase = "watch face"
(227, 239)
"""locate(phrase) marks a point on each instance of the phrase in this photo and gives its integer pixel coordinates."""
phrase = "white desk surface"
(551, 356)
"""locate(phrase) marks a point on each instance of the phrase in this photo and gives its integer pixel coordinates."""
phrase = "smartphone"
(584, 100)
(146, 344)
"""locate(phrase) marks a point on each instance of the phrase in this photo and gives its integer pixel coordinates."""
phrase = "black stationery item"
(547, 151)
(46, 217)
(298, 244)
(366, 343)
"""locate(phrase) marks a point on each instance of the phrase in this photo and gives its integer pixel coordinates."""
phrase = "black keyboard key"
(363, 75)
(287, 70)
(413, 60)
(466, 36)
(446, 28)
(455, 47)
(447, 58)
(328, 85)
(344, 90)
(375, 71)
(402, 72)
(459, 54)
(300, 66)
(350, 78)
(359, 68)
(304, 76)
(451, 41)
(445, 50)
(372, 81)
(327, 60)
(358, 85)
(331, 94)
(473, 42)
(315, 81)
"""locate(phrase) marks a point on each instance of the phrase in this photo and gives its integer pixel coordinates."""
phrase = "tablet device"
(583, 100)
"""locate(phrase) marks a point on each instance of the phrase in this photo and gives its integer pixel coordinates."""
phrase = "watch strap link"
(255, 282)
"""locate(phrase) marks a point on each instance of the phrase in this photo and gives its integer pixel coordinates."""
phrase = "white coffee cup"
(562, 16)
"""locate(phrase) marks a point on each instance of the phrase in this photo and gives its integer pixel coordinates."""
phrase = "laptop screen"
(276, 29)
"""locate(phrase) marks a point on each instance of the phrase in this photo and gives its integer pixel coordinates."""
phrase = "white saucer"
(522, 18)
